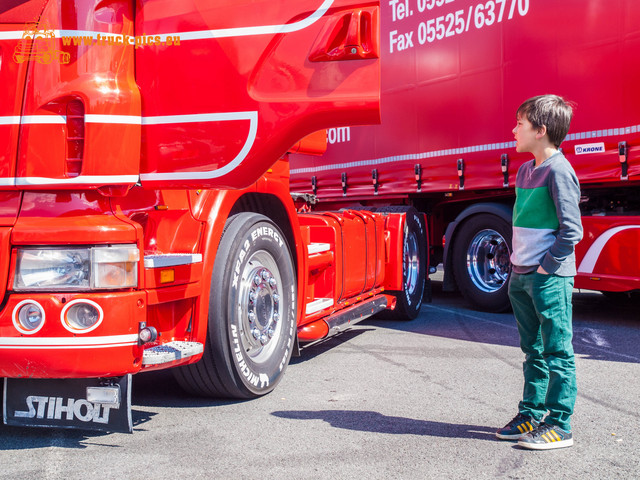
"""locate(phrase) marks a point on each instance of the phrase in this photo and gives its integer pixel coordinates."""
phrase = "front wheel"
(252, 313)
(481, 262)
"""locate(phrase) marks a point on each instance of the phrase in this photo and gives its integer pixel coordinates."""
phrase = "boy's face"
(525, 134)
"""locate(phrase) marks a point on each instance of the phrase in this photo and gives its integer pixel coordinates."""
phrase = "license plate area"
(69, 403)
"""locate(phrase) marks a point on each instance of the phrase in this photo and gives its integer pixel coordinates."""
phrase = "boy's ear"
(542, 131)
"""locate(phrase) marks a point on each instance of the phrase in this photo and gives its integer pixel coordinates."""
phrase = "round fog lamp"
(81, 316)
(28, 317)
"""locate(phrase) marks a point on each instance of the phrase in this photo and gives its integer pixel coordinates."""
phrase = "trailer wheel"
(481, 262)
(414, 265)
(252, 313)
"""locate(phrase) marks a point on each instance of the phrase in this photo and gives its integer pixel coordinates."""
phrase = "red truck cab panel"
(76, 94)
(225, 92)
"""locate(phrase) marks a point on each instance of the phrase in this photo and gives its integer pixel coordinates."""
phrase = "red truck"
(453, 74)
(146, 220)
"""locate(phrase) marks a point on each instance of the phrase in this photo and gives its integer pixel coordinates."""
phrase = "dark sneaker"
(546, 437)
(516, 428)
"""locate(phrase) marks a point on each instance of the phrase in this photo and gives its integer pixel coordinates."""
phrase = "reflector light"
(147, 334)
(28, 317)
(167, 276)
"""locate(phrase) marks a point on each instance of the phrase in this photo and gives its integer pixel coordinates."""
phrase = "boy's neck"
(543, 153)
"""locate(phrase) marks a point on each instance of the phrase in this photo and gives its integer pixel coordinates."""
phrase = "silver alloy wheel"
(260, 306)
(410, 262)
(488, 263)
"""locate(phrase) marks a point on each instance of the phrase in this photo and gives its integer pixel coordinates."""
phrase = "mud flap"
(80, 403)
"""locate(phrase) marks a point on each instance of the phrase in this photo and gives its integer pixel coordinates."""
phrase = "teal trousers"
(542, 307)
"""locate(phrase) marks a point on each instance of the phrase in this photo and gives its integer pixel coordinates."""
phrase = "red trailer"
(453, 74)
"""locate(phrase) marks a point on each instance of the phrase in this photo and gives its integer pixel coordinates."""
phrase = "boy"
(546, 227)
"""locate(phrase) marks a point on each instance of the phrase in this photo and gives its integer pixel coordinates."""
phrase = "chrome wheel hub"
(260, 306)
(488, 263)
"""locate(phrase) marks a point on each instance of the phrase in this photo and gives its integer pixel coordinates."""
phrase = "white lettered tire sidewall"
(259, 246)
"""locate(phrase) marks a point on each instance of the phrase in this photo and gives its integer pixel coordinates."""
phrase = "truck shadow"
(374, 422)
(311, 350)
(160, 389)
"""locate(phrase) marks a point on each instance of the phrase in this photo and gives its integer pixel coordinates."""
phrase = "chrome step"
(171, 260)
(318, 304)
(318, 248)
(170, 352)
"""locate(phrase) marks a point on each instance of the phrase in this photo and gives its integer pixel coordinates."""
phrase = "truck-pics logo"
(39, 44)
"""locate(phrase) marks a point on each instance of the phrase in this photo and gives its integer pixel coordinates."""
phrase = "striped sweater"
(546, 217)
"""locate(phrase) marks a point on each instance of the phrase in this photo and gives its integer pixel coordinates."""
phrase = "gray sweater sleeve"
(565, 192)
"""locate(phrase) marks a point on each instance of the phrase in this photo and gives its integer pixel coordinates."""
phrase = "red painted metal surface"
(236, 93)
(350, 261)
(74, 105)
(609, 255)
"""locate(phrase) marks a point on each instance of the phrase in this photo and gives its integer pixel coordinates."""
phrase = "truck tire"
(414, 265)
(252, 313)
(481, 262)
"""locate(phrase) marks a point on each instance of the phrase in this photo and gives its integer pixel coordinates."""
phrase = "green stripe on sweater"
(534, 208)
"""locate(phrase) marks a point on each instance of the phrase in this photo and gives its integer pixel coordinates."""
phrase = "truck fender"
(500, 210)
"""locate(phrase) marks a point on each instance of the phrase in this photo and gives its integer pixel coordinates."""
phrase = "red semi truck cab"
(145, 214)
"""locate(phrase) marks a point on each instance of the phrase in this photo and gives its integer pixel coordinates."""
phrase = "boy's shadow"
(374, 422)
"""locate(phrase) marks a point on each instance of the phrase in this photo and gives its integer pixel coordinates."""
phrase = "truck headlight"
(77, 269)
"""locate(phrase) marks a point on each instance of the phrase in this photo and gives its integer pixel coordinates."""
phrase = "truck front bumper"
(109, 349)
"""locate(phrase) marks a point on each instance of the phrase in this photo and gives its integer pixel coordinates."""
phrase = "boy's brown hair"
(552, 111)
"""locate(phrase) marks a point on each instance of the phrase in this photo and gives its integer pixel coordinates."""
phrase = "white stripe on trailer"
(590, 258)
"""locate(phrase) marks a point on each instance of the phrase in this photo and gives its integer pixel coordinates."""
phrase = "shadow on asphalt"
(604, 328)
(374, 422)
(22, 438)
(311, 350)
(160, 389)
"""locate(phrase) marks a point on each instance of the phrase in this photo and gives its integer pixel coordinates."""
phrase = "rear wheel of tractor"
(414, 265)
(481, 262)
(252, 313)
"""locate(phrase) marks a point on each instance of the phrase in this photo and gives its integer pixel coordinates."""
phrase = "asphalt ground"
(385, 400)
